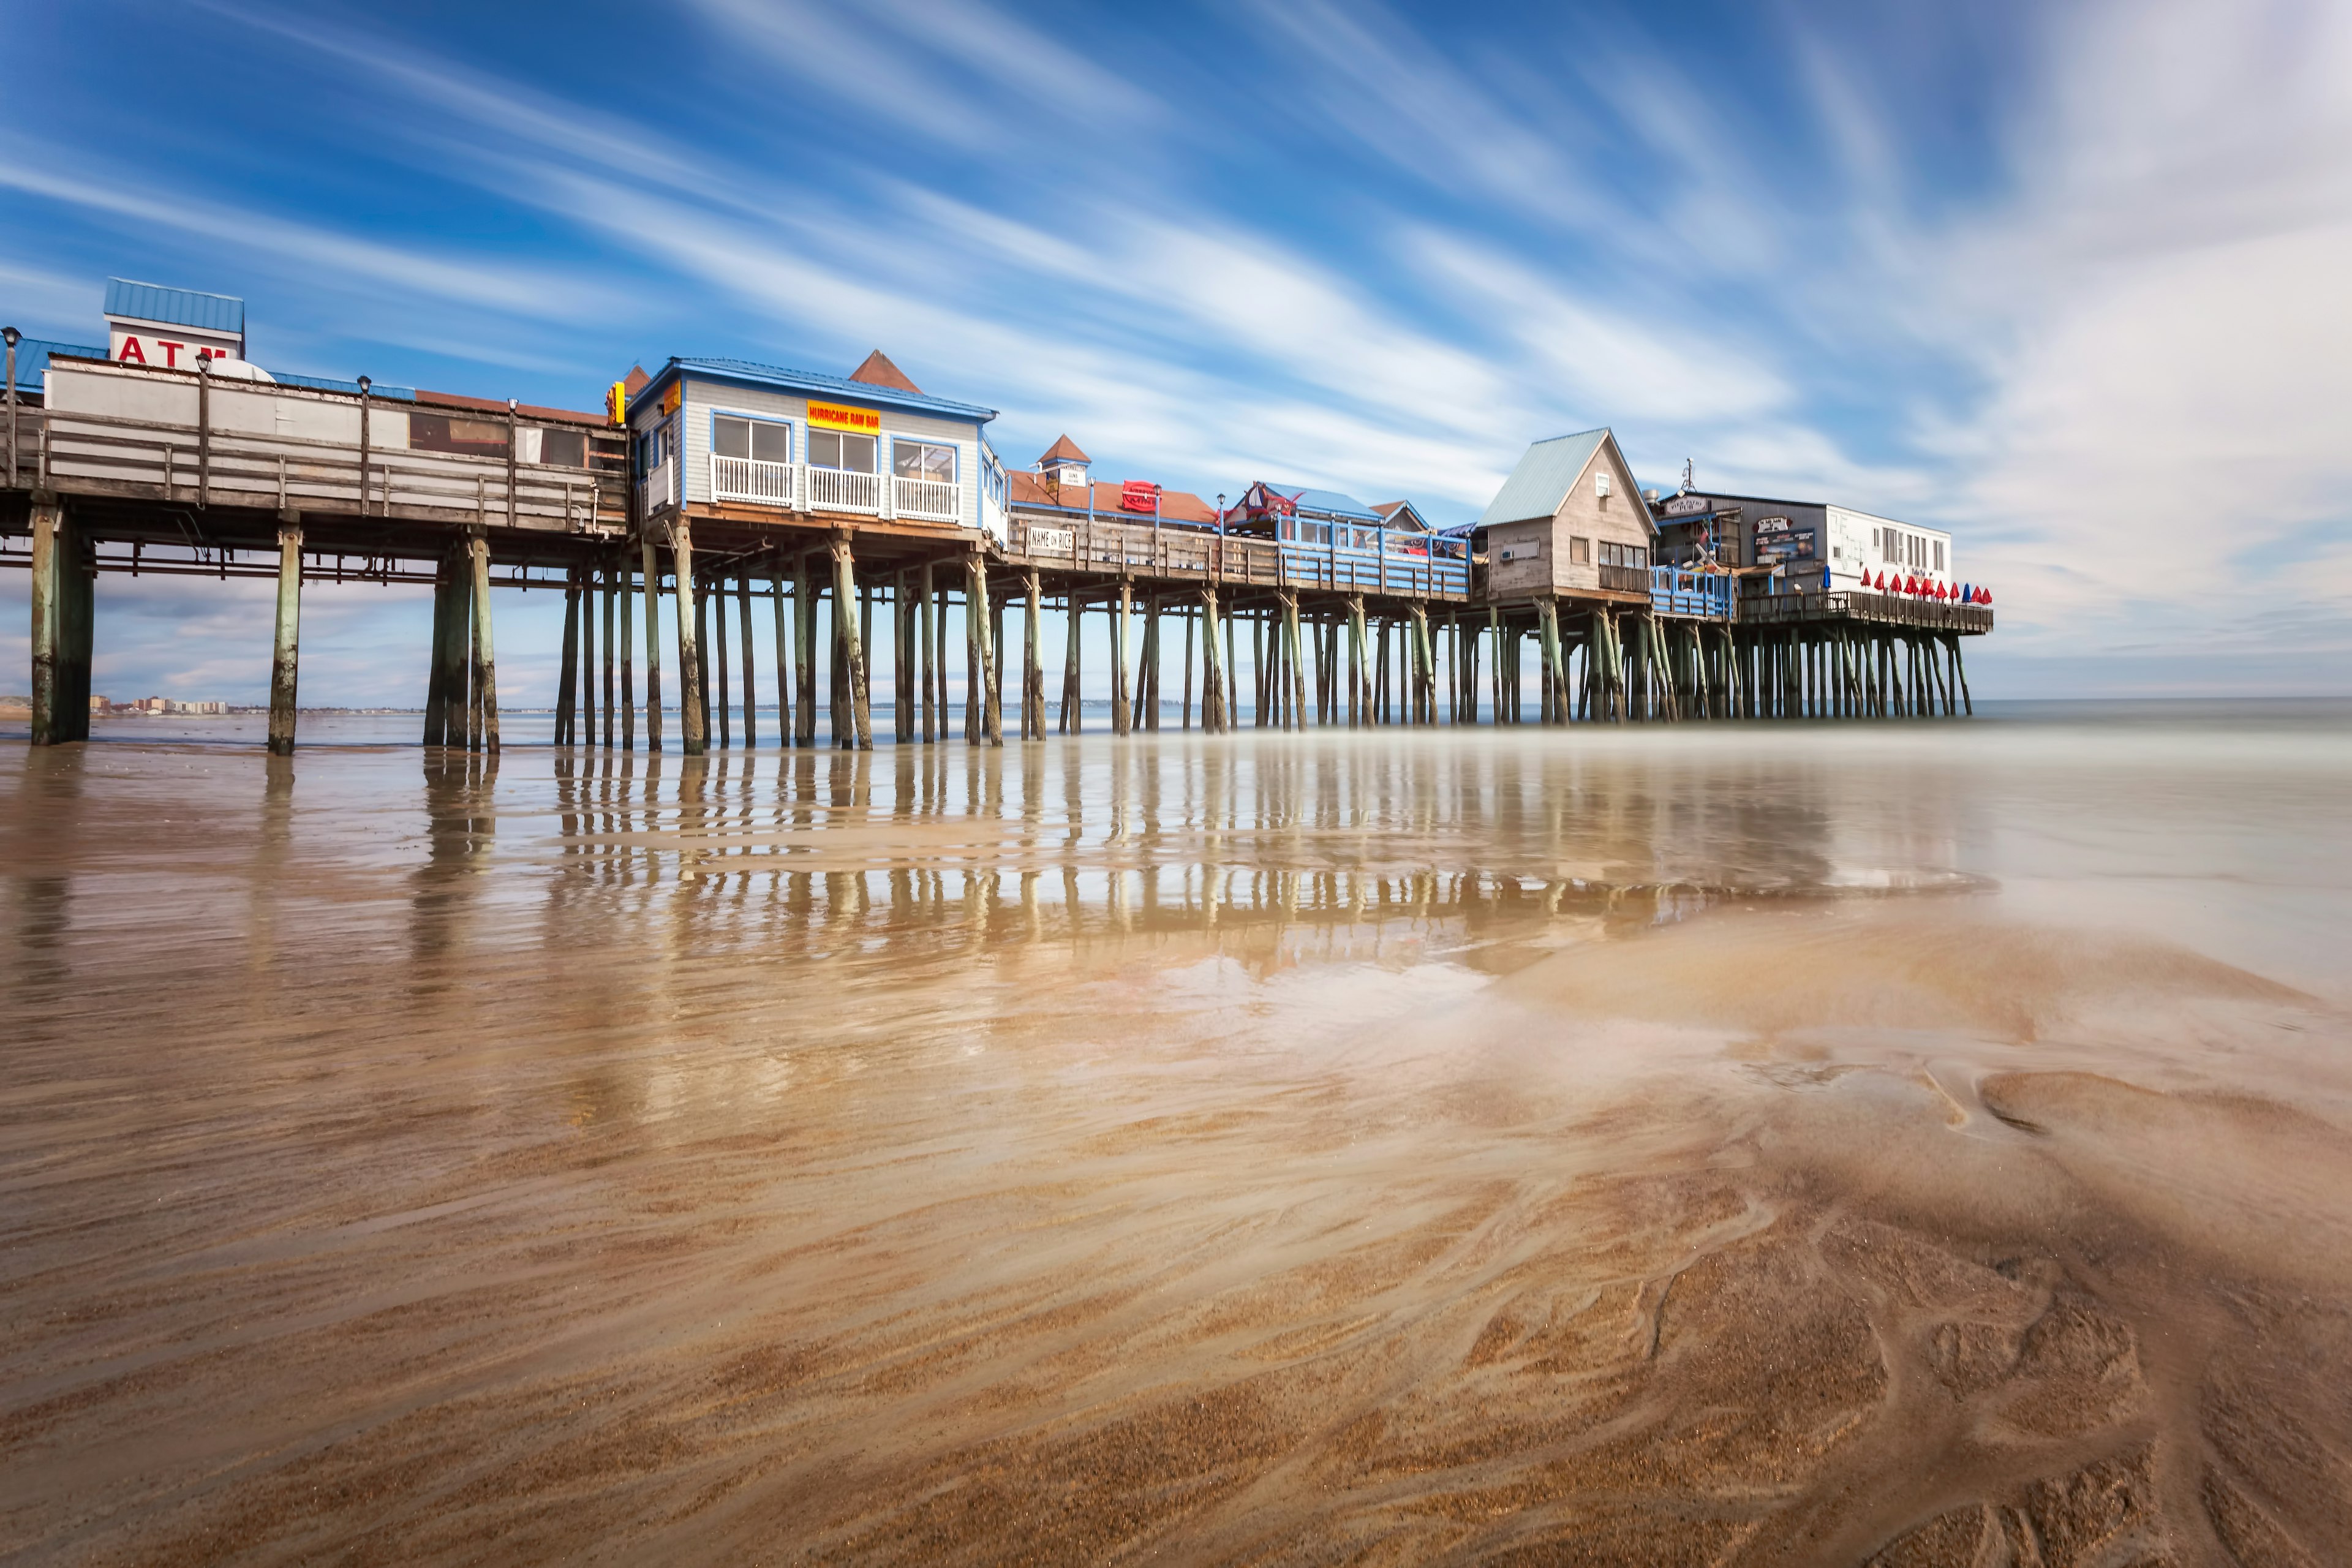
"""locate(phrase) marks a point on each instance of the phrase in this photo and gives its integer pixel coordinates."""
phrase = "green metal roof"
(1541, 481)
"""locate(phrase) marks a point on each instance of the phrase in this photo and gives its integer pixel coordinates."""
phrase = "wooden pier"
(178, 479)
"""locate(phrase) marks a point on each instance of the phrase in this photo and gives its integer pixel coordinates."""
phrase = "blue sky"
(2067, 280)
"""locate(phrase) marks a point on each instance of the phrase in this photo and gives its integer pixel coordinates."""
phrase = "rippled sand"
(1914, 1146)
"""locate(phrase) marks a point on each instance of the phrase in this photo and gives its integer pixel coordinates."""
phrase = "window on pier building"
(923, 460)
(761, 440)
(1579, 550)
(1615, 554)
(1939, 556)
(841, 449)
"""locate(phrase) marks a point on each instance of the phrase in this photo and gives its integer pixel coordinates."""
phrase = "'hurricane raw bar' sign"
(844, 416)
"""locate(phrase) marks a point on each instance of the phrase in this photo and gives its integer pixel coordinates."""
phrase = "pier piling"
(283, 657)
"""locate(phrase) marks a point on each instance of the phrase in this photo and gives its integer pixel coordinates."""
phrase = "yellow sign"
(674, 397)
(616, 404)
(841, 416)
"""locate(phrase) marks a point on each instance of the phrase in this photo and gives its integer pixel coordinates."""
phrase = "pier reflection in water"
(1730, 1145)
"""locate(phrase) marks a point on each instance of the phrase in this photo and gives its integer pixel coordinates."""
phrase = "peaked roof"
(635, 382)
(1027, 489)
(1541, 481)
(1064, 449)
(878, 371)
(175, 307)
(1411, 513)
(746, 373)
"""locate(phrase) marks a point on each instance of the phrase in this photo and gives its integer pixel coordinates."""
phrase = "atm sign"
(841, 416)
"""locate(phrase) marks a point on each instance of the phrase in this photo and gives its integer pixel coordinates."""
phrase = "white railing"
(838, 489)
(659, 488)
(749, 479)
(930, 500)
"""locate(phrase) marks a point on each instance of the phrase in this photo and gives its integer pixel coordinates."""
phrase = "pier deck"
(162, 473)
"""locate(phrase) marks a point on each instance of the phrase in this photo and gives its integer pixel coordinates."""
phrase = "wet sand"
(1915, 1145)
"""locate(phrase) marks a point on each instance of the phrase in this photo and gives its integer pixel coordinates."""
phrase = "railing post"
(512, 456)
(203, 430)
(365, 400)
(12, 336)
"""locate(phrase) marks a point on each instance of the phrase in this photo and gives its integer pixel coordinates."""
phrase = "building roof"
(33, 360)
(878, 371)
(1323, 503)
(1031, 490)
(1064, 449)
(494, 406)
(745, 372)
(1541, 481)
(175, 307)
(1402, 514)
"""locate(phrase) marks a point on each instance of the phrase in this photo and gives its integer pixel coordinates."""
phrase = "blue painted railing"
(1368, 559)
(1706, 594)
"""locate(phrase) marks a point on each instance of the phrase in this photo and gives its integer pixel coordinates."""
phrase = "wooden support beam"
(992, 699)
(651, 566)
(1186, 694)
(805, 642)
(1032, 674)
(285, 656)
(567, 683)
(1358, 695)
(436, 694)
(695, 741)
(1297, 715)
(485, 664)
(902, 662)
(926, 676)
(783, 654)
(612, 609)
(1073, 625)
(848, 649)
(1150, 676)
(1212, 679)
(1122, 707)
(751, 690)
(456, 652)
(625, 575)
(586, 685)
(715, 659)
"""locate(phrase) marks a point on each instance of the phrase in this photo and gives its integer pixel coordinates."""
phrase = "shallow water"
(1919, 1144)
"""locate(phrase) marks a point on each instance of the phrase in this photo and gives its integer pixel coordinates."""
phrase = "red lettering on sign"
(170, 353)
(130, 352)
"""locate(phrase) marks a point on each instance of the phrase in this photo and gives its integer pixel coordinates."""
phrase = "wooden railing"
(1773, 609)
(102, 454)
(1099, 544)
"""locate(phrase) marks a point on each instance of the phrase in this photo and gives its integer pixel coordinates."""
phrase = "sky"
(2065, 280)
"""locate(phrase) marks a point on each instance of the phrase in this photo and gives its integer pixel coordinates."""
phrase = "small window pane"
(840, 449)
(772, 443)
(730, 438)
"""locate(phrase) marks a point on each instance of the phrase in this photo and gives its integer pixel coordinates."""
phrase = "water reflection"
(815, 848)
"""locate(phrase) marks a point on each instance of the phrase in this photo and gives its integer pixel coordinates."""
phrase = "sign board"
(844, 416)
(1053, 542)
(1680, 505)
(1138, 495)
(674, 397)
(168, 348)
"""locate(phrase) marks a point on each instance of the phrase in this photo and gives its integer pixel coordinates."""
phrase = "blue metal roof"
(1326, 503)
(33, 360)
(804, 381)
(178, 307)
(323, 384)
(1540, 483)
